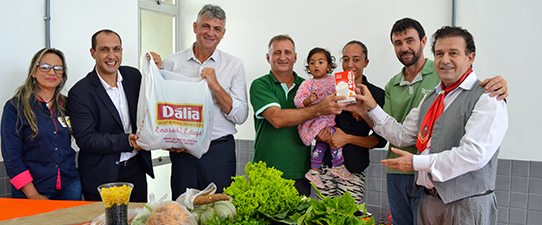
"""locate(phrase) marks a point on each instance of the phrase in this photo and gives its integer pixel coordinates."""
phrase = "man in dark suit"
(102, 109)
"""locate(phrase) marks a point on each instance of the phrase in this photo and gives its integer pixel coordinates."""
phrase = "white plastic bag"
(145, 212)
(174, 111)
(171, 213)
(187, 198)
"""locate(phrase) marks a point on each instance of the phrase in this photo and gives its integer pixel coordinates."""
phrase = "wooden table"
(26, 211)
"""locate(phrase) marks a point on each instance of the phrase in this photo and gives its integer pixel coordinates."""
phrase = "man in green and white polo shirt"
(276, 118)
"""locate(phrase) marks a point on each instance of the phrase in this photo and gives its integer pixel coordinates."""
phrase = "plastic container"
(116, 197)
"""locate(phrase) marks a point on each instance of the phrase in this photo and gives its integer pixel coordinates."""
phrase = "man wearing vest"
(457, 129)
(404, 92)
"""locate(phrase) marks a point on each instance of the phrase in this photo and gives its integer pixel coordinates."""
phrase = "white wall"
(505, 32)
(251, 24)
(72, 25)
(22, 34)
(507, 36)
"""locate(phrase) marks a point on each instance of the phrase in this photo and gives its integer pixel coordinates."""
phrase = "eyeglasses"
(46, 67)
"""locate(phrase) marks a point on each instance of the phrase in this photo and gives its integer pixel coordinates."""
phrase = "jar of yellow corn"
(115, 197)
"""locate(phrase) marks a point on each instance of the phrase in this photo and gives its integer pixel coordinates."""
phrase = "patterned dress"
(323, 87)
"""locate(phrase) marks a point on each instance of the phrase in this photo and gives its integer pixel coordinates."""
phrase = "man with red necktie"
(457, 129)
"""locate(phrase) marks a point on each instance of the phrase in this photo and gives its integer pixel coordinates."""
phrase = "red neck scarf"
(436, 109)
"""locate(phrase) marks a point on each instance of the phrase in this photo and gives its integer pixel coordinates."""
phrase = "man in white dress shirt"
(457, 129)
(225, 75)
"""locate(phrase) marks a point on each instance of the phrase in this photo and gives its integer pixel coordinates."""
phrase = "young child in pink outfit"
(320, 64)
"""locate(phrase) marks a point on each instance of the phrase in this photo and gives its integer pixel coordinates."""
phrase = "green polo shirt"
(280, 148)
(402, 96)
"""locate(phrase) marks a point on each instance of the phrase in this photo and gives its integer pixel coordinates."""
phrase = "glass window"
(171, 2)
(159, 26)
(157, 33)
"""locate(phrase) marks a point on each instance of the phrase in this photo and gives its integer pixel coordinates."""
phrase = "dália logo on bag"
(186, 115)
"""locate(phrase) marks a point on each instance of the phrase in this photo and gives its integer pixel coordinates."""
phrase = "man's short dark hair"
(365, 51)
(281, 37)
(406, 23)
(448, 31)
(106, 31)
(211, 12)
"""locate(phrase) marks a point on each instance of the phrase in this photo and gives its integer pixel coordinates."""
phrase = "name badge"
(61, 121)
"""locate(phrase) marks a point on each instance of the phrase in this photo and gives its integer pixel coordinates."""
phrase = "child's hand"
(312, 97)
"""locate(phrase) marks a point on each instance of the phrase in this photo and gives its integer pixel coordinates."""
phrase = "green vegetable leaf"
(333, 210)
(263, 192)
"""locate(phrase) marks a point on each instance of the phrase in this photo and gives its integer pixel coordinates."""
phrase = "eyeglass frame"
(49, 67)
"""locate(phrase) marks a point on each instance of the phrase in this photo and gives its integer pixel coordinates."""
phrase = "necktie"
(436, 109)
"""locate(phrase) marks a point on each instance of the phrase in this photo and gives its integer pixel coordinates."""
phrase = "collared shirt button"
(56, 166)
(56, 149)
(54, 132)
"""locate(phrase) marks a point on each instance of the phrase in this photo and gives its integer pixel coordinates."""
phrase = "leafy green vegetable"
(264, 194)
(284, 217)
(332, 210)
(265, 198)
(246, 220)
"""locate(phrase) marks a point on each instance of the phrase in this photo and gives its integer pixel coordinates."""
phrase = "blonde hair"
(23, 96)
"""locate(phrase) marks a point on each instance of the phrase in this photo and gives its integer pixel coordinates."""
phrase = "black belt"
(130, 161)
(433, 192)
(221, 139)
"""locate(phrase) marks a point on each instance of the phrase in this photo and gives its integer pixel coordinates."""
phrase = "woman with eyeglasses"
(36, 139)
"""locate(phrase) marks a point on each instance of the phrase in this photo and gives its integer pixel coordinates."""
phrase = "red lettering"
(185, 115)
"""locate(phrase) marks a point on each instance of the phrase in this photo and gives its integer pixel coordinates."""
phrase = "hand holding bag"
(174, 111)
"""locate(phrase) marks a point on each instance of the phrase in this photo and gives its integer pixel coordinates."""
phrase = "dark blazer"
(98, 130)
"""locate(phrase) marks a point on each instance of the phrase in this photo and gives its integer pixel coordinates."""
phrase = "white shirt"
(484, 132)
(118, 97)
(230, 74)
